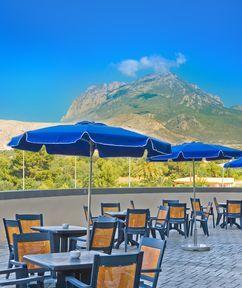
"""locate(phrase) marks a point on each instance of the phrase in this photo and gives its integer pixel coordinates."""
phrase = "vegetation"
(45, 171)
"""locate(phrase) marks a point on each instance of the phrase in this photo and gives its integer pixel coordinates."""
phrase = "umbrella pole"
(194, 201)
(195, 246)
(23, 175)
(75, 174)
(89, 195)
(129, 172)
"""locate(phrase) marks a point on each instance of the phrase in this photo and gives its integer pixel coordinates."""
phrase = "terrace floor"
(220, 267)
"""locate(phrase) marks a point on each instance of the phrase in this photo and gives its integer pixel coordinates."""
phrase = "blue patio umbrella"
(197, 151)
(237, 163)
(83, 138)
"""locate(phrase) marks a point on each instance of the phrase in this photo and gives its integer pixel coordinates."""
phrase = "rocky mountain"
(161, 105)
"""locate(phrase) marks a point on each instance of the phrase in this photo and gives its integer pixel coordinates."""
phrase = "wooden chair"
(177, 217)
(159, 223)
(110, 207)
(92, 219)
(136, 224)
(233, 212)
(29, 220)
(203, 219)
(11, 227)
(151, 266)
(102, 237)
(31, 243)
(22, 278)
(220, 212)
(113, 271)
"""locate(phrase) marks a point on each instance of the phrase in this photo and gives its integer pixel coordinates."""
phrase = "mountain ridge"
(176, 110)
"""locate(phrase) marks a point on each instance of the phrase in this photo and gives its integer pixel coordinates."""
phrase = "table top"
(120, 214)
(62, 261)
(224, 205)
(59, 229)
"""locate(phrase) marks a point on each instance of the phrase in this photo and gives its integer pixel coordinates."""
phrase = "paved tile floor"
(220, 267)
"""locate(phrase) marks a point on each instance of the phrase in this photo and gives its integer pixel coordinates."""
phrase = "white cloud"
(156, 63)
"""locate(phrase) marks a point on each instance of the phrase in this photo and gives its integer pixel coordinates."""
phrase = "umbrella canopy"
(198, 151)
(76, 139)
(234, 164)
(83, 139)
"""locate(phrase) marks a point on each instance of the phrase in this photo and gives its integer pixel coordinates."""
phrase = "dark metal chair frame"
(31, 237)
(203, 220)
(22, 278)
(109, 261)
(132, 204)
(219, 213)
(92, 219)
(155, 225)
(10, 223)
(156, 244)
(178, 221)
(30, 217)
(109, 205)
(129, 231)
(107, 223)
(166, 202)
(231, 217)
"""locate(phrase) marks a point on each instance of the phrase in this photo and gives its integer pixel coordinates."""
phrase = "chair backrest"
(132, 206)
(102, 236)
(196, 204)
(85, 208)
(11, 227)
(29, 220)
(117, 271)
(208, 209)
(137, 219)
(216, 203)
(177, 211)
(153, 254)
(162, 216)
(31, 243)
(234, 208)
(110, 207)
(166, 202)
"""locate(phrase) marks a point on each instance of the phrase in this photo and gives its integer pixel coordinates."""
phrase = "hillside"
(162, 105)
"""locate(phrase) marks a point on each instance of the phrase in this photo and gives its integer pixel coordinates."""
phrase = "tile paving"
(220, 267)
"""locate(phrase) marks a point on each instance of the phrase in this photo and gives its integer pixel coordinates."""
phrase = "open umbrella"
(234, 164)
(83, 138)
(197, 151)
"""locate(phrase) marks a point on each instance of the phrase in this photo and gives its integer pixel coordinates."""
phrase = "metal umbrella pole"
(195, 246)
(89, 203)
(23, 171)
(129, 172)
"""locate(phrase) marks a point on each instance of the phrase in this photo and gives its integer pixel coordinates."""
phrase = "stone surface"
(220, 267)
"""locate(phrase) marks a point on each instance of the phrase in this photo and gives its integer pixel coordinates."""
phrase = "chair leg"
(213, 220)
(153, 234)
(185, 229)
(125, 242)
(72, 245)
(191, 226)
(218, 219)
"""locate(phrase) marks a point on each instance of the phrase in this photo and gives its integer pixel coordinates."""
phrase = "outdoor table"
(63, 265)
(120, 215)
(61, 235)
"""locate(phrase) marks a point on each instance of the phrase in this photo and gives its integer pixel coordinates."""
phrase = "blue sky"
(50, 51)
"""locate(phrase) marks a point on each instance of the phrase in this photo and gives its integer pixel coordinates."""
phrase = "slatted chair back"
(136, 220)
(110, 207)
(132, 206)
(11, 227)
(162, 216)
(153, 254)
(196, 205)
(167, 202)
(177, 212)
(234, 208)
(85, 208)
(208, 210)
(102, 236)
(29, 220)
(31, 243)
(117, 271)
(216, 204)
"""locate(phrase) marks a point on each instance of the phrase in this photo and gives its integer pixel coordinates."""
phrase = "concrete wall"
(62, 206)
